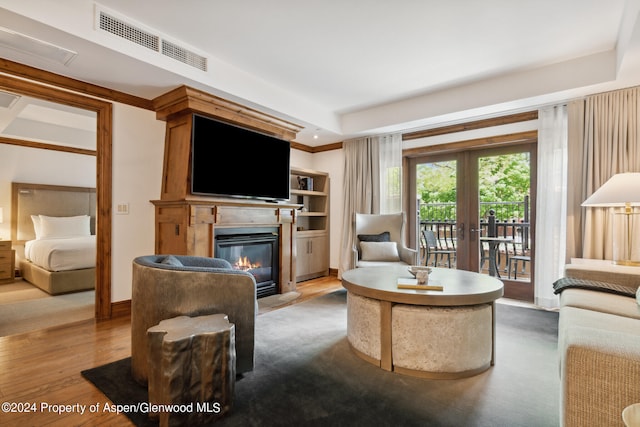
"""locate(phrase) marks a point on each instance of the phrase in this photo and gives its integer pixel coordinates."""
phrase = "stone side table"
(192, 366)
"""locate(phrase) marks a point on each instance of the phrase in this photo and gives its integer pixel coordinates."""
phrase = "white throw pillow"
(638, 295)
(379, 251)
(64, 227)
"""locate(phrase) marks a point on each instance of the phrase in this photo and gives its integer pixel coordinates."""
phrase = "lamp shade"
(620, 190)
(1, 216)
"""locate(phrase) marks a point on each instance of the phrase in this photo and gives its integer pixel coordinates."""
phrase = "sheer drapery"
(361, 189)
(551, 205)
(610, 145)
(390, 173)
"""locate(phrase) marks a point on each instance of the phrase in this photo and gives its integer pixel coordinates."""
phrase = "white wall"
(138, 152)
(301, 159)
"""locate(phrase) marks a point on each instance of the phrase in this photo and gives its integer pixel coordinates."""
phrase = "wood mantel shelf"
(195, 200)
(187, 227)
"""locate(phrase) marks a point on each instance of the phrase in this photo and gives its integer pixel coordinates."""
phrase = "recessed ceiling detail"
(32, 46)
(149, 39)
(7, 99)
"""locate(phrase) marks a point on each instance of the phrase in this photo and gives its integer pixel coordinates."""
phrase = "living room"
(137, 151)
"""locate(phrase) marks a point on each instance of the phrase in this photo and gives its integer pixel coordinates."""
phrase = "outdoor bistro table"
(448, 333)
(494, 244)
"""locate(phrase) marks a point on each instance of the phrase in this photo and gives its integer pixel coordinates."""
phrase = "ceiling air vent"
(181, 54)
(127, 31)
(120, 26)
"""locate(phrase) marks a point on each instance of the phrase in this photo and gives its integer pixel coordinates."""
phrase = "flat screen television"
(232, 161)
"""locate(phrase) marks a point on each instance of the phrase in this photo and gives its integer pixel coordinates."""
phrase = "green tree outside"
(503, 178)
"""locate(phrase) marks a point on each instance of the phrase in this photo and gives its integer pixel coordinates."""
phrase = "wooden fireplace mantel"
(185, 223)
(188, 227)
(177, 108)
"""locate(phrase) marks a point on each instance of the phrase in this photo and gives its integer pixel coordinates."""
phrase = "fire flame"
(243, 263)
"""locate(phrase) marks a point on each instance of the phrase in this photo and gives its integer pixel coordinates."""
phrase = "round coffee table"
(428, 333)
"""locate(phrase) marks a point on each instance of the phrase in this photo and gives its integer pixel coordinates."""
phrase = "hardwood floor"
(43, 368)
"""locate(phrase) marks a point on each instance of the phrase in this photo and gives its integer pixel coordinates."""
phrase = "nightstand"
(7, 262)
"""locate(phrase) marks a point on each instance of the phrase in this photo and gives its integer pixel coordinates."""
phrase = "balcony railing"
(497, 219)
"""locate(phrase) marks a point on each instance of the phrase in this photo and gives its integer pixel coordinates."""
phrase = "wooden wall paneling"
(176, 181)
(171, 229)
(200, 239)
(287, 219)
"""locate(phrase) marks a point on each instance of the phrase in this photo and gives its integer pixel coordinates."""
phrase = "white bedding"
(62, 254)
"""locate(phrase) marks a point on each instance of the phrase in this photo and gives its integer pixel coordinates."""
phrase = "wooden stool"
(192, 369)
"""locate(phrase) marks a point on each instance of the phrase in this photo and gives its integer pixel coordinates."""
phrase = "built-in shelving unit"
(310, 189)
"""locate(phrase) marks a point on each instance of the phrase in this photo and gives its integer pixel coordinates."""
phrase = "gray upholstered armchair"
(166, 286)
(379, 240)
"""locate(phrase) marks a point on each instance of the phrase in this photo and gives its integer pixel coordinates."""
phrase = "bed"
(53, 228)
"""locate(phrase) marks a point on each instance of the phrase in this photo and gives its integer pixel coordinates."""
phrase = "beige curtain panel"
(603, 141)
(361, 189)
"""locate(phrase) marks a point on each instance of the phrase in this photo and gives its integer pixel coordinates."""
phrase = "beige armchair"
(167, 286)
(379, 240)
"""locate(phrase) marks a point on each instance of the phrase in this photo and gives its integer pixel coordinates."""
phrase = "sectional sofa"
(598, 342)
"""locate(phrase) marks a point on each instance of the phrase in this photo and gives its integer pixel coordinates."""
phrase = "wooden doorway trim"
(104, 160)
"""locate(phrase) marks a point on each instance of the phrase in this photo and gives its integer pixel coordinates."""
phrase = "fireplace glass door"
(255, 251)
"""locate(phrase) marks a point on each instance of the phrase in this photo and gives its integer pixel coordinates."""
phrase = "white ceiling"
(346, 68)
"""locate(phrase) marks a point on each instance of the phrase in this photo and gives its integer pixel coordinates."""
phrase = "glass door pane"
(504, 184)
(436, 190)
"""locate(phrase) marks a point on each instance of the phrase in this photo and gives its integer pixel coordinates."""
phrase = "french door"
(479, 203)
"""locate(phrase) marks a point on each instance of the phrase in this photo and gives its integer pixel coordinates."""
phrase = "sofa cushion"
(379, 251)
(589, 320)
(638, 296)
(601, 302)
(362, 264)
(599, 368)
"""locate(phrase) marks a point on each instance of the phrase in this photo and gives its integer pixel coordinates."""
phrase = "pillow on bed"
(53, 227)
(379, 251)
(36, 226)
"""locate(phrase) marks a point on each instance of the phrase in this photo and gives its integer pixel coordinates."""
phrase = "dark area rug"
(306, 375)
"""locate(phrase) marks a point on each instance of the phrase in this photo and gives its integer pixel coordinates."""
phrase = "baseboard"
(333, 272)
(121, 308)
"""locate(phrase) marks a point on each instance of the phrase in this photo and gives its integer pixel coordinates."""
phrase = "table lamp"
(622, 190)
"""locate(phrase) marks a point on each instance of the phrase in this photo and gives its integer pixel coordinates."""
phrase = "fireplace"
(255, 250)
